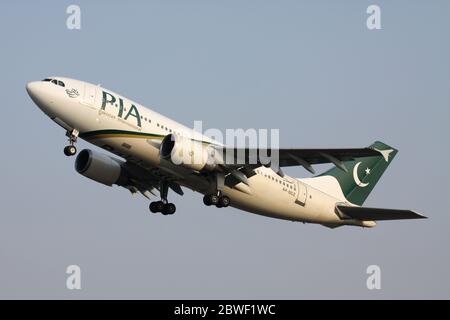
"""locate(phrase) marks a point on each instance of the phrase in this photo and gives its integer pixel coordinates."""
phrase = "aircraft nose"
(33, 90)
(40, 95)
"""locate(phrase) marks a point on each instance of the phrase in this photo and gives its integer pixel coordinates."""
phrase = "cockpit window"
(54, 81)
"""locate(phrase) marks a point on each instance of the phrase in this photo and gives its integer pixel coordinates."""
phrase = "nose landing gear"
(71, 150)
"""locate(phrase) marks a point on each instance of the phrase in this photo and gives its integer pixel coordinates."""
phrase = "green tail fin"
(363, 173)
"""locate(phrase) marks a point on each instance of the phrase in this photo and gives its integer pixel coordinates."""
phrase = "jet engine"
(99, 167)
(189, 153)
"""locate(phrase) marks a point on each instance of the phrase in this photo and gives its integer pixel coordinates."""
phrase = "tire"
(170, 208)
(159, 205)
(214, 199)
(70, 151)
(224, 201)
(207, 200)
(66, 151)
(153, 207)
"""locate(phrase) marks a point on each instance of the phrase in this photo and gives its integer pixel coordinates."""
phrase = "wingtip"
(383, 145)
(419, 215)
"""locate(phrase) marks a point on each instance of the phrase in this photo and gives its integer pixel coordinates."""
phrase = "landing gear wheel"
(172, 208)
(159, 205)
(70, 150)
(169, 209)
(214, 199)
(153, 207)
(156, 206)
(224, 201)
(207, 200)
(164, 208)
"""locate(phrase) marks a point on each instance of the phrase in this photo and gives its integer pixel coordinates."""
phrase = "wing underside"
(294, 157)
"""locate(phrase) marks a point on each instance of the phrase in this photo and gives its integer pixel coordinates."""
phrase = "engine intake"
(99, 167)
(189, 153)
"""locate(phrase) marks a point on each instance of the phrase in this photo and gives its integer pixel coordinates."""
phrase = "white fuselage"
(134, 132)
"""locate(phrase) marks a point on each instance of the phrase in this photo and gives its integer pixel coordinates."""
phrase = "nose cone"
(38, 93)
(33, 90)
(30, 86)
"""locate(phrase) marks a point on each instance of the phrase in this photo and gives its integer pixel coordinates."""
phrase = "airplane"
(147, 147)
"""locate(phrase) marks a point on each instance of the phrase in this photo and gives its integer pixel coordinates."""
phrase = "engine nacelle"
(189, 153)
(99, 167)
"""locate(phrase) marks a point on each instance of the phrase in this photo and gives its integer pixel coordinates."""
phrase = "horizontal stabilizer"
(374, 214)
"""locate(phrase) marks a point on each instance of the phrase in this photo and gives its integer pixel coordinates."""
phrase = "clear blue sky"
(311, 69)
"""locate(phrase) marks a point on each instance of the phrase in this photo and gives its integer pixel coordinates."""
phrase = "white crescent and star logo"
(356, 178)
(359, 183)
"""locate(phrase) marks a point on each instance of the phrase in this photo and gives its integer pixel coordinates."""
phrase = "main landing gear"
(71, 150)
(163, 206)
(217, 198)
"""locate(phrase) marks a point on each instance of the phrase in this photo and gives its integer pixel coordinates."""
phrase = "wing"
(146, 181)
(374, 214)
(295, 157)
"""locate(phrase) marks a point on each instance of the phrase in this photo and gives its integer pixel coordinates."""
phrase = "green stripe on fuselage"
(98, 134)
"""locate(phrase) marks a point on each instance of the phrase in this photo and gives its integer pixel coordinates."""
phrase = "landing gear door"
(302, 193)
(89, 95)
